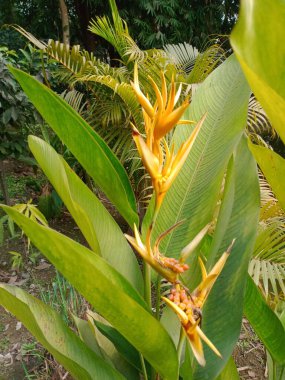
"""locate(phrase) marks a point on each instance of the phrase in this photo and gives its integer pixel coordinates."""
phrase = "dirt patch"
(249, 355)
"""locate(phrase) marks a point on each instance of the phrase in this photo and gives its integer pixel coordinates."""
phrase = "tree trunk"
(84, 17)
(3, 184)
(64, 22)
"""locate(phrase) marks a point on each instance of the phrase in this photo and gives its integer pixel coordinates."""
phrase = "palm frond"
(182, 55)
(257, 121)
(75, 100)
(115, 32)
(205, 63)
(194, 66)
(123, 90)
(267, 266)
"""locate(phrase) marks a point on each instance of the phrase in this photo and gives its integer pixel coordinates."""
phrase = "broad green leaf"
(265, 322)
(258, 41)
(86, 145)
(229, 372)
(49, 329)
(110, 294)
(237, 219)
(223, 96)
(193, 196)
(97, 225)
(273, 167)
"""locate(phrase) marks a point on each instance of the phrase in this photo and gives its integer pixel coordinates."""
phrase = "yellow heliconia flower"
(167, 267)
(170, 268)
(162, 115)
(164, 166)
(188, 307)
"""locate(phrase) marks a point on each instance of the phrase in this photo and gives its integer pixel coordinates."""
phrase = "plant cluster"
(191, 166)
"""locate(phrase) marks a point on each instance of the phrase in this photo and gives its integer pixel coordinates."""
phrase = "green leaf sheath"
(237, 219)
(265, 322)
(86, 145)
(49, 329)
(258, 41)
(97, 225)
(110, 294)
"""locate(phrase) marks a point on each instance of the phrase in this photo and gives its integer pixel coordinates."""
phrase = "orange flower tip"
(186, 122)
(201, 361)
(135, 133)
(230, 247)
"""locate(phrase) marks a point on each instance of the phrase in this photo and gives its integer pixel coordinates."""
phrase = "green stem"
(274, 369)
(143, 367)
(181, 343)
(147, 284)
(158, 288)
(281, 372)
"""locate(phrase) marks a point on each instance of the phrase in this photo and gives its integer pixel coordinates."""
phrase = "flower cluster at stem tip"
(163, 165)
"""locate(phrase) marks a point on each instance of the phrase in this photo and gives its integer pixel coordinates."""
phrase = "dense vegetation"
(151, 23)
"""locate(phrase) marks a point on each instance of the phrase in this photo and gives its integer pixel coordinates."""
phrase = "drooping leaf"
(48, 328)
(110, 294)
(265, 322)
(86, 145)
(99, 228)
(258, 41)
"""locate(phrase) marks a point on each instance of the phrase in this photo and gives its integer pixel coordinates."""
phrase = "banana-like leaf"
(258, 41)
(86, 145)
(110, 294)
(237, 219)
(49, 329)
(97, 225)
(273, 168)
(265, 322)
(223, 97)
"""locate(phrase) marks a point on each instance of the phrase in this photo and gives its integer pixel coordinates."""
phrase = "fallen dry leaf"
(43, 266)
